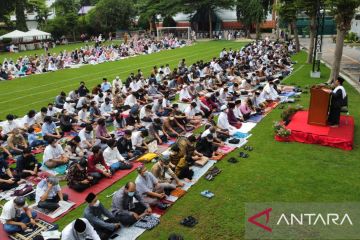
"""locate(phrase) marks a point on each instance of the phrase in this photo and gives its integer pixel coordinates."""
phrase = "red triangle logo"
(253, 218)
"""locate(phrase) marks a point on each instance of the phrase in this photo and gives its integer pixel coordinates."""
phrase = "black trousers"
(127, 219)
(104, 233)
(334, 115)
(52, 204)
(80, 187)
(7, 186)
(186, 172)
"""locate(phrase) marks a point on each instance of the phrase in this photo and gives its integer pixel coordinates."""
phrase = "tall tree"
(250, 12)
(6, 7)
(309, 7)
(20, 6)
(288, 10)
(111, 15)
(190, 6)
(343, 11)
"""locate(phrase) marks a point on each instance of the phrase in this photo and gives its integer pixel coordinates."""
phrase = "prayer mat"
(147, 157)
(38, 178)
(55, 171)
(226, 149)
(242, 142)
(178, 192)
(200, 171)
(32, 232)
(218, 157)
(38, 150)
(52, 216)
(128, 233)
(256, 118)
(79, 197)
(245, 128)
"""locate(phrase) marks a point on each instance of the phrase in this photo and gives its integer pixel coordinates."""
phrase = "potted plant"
(288, 113)
(281, 132)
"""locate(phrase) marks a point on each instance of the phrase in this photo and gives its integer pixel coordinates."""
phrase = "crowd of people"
(47, 62)
(234, 86)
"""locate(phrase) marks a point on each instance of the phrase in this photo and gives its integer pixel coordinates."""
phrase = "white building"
(31, 21)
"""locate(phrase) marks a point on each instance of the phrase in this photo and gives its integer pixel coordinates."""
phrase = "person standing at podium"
(338, 100)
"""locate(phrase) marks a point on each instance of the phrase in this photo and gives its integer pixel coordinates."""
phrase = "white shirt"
(27, 120)
(81, 102)
(223, 121)
(134, 86)
(237, 112)
(105, 108)
(69, 107)
(39, 118)
(85, 137)
(69, 232)
(270, 92)
(42, 187)
(136, 139)
(189, 111)
(9, 211)
(52, 112)
(9, 126)
(83, 115)
(98, 99)
(130, 100)
(184, 94)
(52, 152)
(112, 155)
(117, 83)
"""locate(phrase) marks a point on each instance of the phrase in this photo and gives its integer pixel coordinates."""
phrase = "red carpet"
(3, 234)
(340, 137)
(79, 198)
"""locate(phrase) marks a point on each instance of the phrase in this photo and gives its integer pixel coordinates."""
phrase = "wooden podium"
(319, 106)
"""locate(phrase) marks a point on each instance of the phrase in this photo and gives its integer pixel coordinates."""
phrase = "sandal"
(215, 171)
(207, 194)
(209, 177)
(233, 160)
(189, 221)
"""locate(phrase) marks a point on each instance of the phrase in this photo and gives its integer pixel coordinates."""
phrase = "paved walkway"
(350, 61)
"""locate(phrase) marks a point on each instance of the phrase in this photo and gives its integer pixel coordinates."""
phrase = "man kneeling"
(125, 209)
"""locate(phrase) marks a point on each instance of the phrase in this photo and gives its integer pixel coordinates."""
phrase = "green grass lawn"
(274, 172)
(57, 49)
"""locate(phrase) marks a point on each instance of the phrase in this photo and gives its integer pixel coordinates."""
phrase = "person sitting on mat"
(17, 216)
(218, 137)
(54, 154)
(78, 229)
(187, 147)
(138, 142)
(48, 194)
(95, 213)
(233, 121)
(125, 209)
(49, 129)
(97, 166)
(16, 142)
(182, 169)
(206, 146)
(78, 178)
(7, 180)
(159, 170)
(338, 100)
(27, 165)
(113, 158)
(124, 145)
(149, 187)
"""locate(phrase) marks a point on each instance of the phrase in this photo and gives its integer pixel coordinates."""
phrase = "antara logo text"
(301, 219)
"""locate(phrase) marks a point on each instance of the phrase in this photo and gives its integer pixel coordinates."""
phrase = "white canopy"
(13, 35)
(36, 33)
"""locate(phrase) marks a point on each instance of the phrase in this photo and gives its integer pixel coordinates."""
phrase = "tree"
(6, 7)
(42, 11)
(288, 10)
(310, 8)
(20, 15)
(111, 15)
(190, 6)
(251, 12)
(343, 11)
